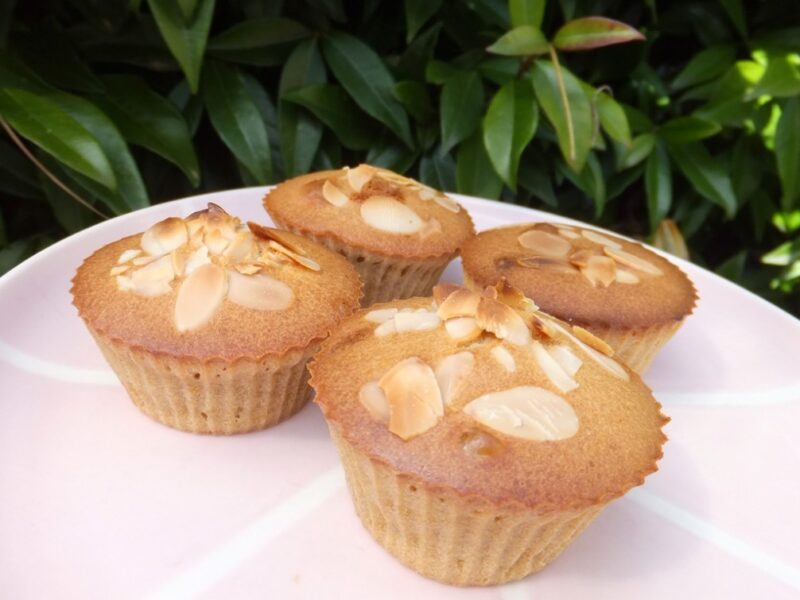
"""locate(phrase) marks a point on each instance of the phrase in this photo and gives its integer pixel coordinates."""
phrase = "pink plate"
(98, 501)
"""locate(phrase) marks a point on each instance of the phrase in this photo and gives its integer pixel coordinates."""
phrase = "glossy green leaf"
(747, 168)
(474, 172)
(733, 267)
(780, 80)
(521, 41)
(237, 119)
(16, 252)
(187, 8)
(42, 121)
(419, 12)
(736, 14)
(594, 32)
(411, 64)
(256, 34)
(613, 119)
(590, 181)
(580, 110)
(491, 12)
(639, 149)
(658, 185)
(509, 126)
(300, 133)
(499, 69)
(619, 182)
(390, 154)
(526, 12)
(460, 108)
(534, 176)
(438, 72)
(787, 152)
(333, 9)
(362, 73)
(682, 130)
(705, 66)
(414, 96)
(185, 39)
(438, 170)
(334, 107)
(708, 176)
(149, 120)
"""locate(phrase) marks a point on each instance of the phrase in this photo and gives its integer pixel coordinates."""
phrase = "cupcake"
(209, 323)
(397, 233)
(480, 436)
(632, 298)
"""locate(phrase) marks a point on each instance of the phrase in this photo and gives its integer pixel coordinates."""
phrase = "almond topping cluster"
(554, 250)
(379, 193)
(214, 256)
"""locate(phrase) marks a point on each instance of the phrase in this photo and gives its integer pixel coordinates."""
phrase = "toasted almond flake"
(598, 238)
(416, 321)
(374, 400)
(124, 283)
(430, 227)
(544, 244)
(555, 373)
(609, 364)
(490, 292)
(387, 214)
(629, 260)
(199, 296)
(504, 358)
(179, 258)
(426, 193)
(600, 269)
(198, 258)
(380, 315)
(580, 258)
(478, 443)
(442, 291)
(463, 329)
(128, 255)
(358, 177)
(566, 358)
(415, 401)
(195, 226)
(140, 261)
(154, 279)
(242, 248)
(119, 269)
(215, 240)
(568, 233)
(553, 265)
(276, 235)
(461, 303)
(513, 297)
(396, 177)
(447, 203)
(334, 195)
(592, 340)
(626, 277)
(259, 292)
(163, 237)
(247, 268)
(526, 412)
(503, 321)
(386, 328)
(303, 261)
(451, 373)
(540, 326)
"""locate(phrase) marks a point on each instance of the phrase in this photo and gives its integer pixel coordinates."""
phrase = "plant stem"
(562, 90)
(18, 142)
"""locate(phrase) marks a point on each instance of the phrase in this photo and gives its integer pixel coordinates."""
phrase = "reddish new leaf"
(594, 32)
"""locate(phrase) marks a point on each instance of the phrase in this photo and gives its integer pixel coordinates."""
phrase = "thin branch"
(18, 142)
(562, 90)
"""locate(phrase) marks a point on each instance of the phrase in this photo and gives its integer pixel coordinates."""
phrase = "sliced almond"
(527, 412)
(380, 315)
(387, 214)
(358, 177)
(140, 261)
(199, 297)
(451, 373)
(555, 373)
(463, 329)
(598, 238)
(416, 321)
(504, 358)
(626, 277)
(476, 442)
(247, 268)
(119, 270)
(629, 260)
(179, 258)
(124, 283)
(374, 400)
(415, 401)
(216, 241)
(503, 321)
(154, 279)
(128, 255)
(540, 326)
(544, 244)
(580, 258)
(425, 192)
(447, 203)
(334, 195)
(386, 328)
(513, 297)
(609, 364)
(568, 233)
(430, 227)
(276, 235)
(443, 290)
(198, 258)
(553, 265)
(259, 292)
(242, 247)
(600, 269)
(303, 261)
(592, 340)
(163, 237)
(461, 303)
(566, 358)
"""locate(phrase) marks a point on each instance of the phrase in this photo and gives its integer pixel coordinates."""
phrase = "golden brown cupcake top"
(580, 275)
(372, 209)
(209, 286)
(482, 394)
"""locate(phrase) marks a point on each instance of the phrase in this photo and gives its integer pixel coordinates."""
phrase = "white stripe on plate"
(200, 576)
(714, 535)
(782, 395)
(51, 370)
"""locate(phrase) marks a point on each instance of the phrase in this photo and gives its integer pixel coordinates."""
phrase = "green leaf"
(547, 92)
(334, 107)
(42, 121)
(300, 133)
(362, 73)
(783, 255)
(780, 80)
(619, 182)
(185, 39)
(438, 170)
(682, 130)
(419, 12)
(521, 41)
(258, 34)
(594, 32)
(733, 267)
(526, 12)
(787, 152)
(149, 120)
(17, 174)
(499, 69)
(70, 214)
(590, 181)
(15, 253)
(461, 106)
(413, 95)
(706, 174)
(389, 154)
(509, 126)
(438, 72)
(190, 107)
(187, 8)
(640, 148)
(474, 172)
(747, 170)
(735, 12)
(705, 66)
(612, 118)
(412, 62)
(237, 119)
(658, 185)
(534, 176)
(491, 12)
